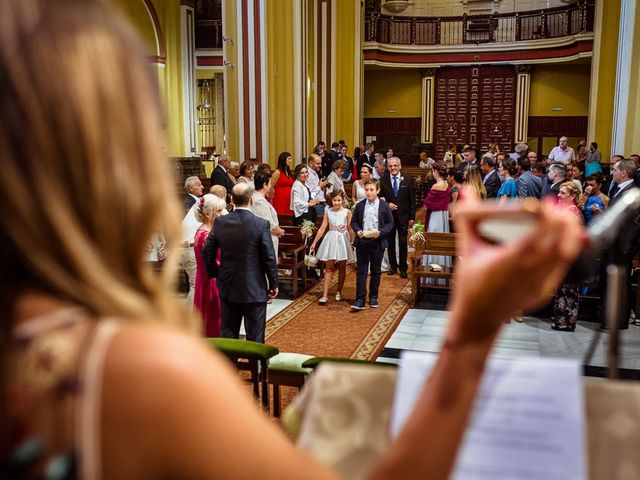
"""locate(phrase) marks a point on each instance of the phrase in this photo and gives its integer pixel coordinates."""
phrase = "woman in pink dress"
(205, 298)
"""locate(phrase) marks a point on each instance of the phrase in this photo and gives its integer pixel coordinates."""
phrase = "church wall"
(399, 90)
(562, 86)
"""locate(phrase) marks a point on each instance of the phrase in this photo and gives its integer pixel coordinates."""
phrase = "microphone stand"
(616, 299)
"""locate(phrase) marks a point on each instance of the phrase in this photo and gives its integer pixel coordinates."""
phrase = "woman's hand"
(492, 282)
(313, 203)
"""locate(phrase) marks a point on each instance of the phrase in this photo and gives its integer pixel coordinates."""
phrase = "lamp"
(396, 6)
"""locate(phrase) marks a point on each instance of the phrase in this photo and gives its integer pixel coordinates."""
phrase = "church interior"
(259, 83)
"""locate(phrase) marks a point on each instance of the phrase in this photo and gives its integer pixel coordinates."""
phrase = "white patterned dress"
(336, 244)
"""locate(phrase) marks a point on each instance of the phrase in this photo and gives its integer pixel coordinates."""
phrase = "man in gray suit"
(528, 184)
(248, 272)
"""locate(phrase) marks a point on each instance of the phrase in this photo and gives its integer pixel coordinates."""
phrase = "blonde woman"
(206, 299)
(473, 178)
(95, 367)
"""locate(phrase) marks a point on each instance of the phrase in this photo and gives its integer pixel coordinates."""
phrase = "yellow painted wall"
(347, 105)
(560, 85)
(169, 75)
(632, 140)
(231, 80)
(603, 95)
(137, 14)
(399, 90)
(311, 64)
(280, 78)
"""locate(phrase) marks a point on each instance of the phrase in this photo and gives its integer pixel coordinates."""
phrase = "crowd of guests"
(101, 375)
(315, 188)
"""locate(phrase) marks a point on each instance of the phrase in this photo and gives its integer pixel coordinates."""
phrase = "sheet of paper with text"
(528, 420)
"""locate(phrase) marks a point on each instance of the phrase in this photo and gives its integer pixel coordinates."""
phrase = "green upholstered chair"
(251, 356)
(285, 369)
(315, 361)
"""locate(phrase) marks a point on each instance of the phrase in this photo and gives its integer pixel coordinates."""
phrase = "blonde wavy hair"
(85, 183)
(208, 204)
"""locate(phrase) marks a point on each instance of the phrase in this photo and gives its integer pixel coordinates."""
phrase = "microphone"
(610, 232)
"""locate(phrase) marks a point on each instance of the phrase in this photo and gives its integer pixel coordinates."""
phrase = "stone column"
(428, 104)
(523, 89)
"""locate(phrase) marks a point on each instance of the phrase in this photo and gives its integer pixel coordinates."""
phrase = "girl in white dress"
(335, 248)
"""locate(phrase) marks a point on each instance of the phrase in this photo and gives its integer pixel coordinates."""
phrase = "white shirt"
(313, 182)
(299, 198)
(263, 209)
(370, 220)
(623, 185)
(190, 225)
(558, 155)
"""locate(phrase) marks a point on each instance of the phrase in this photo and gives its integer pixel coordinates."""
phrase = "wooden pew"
(291, 252)
(444, 244)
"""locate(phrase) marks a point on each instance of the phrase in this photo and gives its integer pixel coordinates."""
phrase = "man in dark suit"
(469, 157)
(366, 157)
(193, 187)
(370, 215)
(491, 179)
(398, 193)
(622, 179)
(220, 174)
(528, 184)
(555, 177)
(248, 272)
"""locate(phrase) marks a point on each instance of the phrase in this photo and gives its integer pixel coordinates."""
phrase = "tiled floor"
(422, 330)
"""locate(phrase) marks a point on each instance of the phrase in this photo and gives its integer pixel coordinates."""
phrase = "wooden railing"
(475, 29)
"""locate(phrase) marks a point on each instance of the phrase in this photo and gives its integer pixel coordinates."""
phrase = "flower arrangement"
(416, 233)
(349, 205)
(307, 229)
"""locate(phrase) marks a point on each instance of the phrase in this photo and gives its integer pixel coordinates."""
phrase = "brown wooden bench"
(287, 220)
(444, 244)
(291, 252)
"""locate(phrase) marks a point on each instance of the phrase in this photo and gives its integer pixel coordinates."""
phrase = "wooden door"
(475, 106)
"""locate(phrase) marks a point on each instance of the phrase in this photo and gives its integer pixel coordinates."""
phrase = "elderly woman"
(99, 370)
(206, 299)
(246, 173)
(301, 201)
(334, 180)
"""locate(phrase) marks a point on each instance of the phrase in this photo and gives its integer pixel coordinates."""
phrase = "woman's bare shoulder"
(172, 406)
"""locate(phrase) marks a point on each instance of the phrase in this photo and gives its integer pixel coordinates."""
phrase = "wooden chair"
(286, 370)
(443, 244)
(251, 356)
(291, 252)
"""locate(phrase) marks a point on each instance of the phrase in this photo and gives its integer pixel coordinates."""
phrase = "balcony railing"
(476, 29)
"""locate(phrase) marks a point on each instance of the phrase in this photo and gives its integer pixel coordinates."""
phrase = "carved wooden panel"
(497, 124)
(453, 103)
(476, 106)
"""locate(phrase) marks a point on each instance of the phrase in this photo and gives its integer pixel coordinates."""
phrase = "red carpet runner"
(334, 330)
